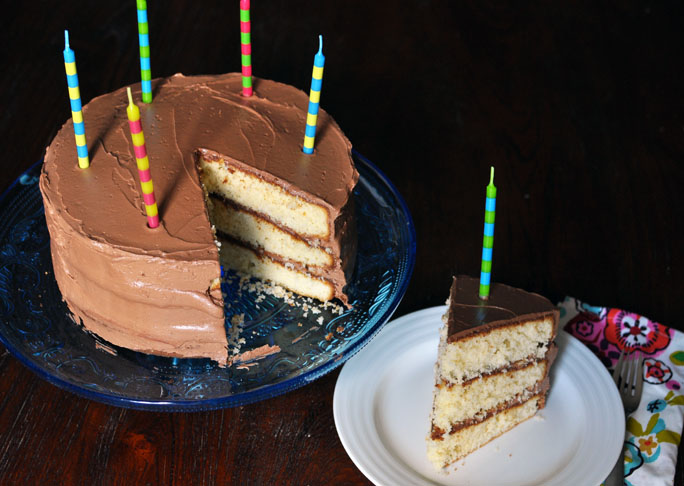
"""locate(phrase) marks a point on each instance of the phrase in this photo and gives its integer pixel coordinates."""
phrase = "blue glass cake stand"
(37, 328)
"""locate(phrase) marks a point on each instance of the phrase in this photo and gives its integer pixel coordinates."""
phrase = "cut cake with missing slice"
(157, 291)
(492, 369)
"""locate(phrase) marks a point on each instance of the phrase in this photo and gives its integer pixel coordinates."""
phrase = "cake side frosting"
(159, 286)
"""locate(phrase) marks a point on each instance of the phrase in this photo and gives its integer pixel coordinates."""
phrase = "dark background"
(578, 106)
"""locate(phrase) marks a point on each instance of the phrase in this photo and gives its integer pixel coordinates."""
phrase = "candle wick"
(66, 39)
(491, 177)
(130, 96)
(320, 44)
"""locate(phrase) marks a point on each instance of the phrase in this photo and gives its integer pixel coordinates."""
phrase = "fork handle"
(616, 476)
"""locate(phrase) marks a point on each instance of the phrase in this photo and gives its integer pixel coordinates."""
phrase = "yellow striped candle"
(75, 100)
(142, 161)
(314, 99)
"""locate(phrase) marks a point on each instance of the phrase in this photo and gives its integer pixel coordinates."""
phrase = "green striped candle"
(144, 39)
(488, 239)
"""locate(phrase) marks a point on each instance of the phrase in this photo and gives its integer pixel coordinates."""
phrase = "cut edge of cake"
(268, 229)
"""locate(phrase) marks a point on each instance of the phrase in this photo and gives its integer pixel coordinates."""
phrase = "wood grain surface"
(578, 105)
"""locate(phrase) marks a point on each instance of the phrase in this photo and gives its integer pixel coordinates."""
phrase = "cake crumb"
(303, 335)
(245, 366)
(256, 354)
(105, 348)
(266, 288)
(329, 336)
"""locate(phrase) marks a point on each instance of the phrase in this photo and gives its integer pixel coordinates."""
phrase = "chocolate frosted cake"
(224, 166)
(492, 366)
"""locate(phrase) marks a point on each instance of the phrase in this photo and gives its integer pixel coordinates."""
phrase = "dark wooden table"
(579, 106)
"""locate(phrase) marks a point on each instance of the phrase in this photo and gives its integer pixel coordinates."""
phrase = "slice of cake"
(287, 216)
(492, 370)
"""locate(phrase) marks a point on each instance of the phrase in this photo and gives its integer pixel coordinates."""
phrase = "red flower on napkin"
(631, 332)
(606, 332)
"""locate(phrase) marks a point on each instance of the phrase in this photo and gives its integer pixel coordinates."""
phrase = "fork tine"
(629, 378)
(639, 376)
(618, 368)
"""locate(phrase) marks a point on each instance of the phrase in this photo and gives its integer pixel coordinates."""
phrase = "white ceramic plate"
(383, 398)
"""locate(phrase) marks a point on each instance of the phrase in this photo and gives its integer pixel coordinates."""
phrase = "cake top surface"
(264, 131)
(468, 314)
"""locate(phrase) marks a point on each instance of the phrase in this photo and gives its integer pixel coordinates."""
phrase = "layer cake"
(492, 369)
(224, 167)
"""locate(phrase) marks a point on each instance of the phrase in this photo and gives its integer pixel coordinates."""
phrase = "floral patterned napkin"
(654, 429)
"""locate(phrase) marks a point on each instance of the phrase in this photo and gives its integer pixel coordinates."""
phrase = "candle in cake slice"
(488, 238)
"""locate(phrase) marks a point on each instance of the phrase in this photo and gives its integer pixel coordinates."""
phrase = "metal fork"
(629, 378)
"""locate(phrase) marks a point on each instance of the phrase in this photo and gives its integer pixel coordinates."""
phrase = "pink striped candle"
(246, 47)
(143, 162)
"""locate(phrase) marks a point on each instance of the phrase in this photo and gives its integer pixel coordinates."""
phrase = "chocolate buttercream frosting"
(155, 290)
(468, 314)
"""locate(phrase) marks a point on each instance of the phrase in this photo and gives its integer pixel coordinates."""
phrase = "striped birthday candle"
(142, 161)
(75, 100)
(488, 240)
(314, 98)
(246, 48)
(144, 40)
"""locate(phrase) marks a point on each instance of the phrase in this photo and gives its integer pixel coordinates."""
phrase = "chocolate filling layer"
(549, 357)
(314, 242)
(537, 391)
